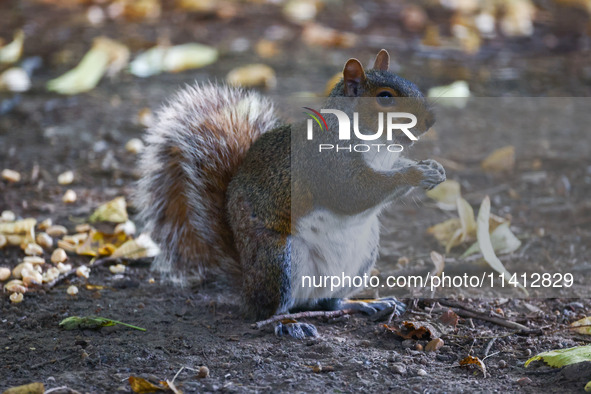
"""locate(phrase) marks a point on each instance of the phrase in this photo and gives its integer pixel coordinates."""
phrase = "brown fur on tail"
(194, 148)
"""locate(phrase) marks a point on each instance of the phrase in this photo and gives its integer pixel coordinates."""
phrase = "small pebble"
(69, 196)
(11, 175)
(15, 298)
(524, 381)
(72, 290)
(399, 369)
(421, 372)
(502, 364)
(65, 178)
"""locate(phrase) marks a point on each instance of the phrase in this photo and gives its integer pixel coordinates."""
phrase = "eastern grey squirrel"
(216, 192)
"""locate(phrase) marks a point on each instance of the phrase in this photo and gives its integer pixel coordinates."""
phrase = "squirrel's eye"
(385, 99)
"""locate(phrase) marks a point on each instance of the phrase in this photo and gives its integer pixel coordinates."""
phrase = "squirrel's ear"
(353, 77)
(382, 61)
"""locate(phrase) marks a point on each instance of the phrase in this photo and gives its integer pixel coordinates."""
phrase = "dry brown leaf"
(413, 330)
(141, 385)
(474, 361)
(449, 318)
(253, 75)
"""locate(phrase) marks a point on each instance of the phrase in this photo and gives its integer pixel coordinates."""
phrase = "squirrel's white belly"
(327, 245)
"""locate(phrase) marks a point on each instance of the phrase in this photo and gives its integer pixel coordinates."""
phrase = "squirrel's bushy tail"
(199, 139)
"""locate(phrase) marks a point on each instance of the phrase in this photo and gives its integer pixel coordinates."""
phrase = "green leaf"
(562, 357)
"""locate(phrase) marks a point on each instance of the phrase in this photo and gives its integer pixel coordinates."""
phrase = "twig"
(300, 315)
(53, 360)
(465, 311)
(489, 346)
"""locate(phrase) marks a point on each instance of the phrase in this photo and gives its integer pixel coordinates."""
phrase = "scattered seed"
(3, 241)
(69, 196)
(44, 225)
(67, 246)
(63, 268)
(117, 268)
(33, 260)
(51, 274)
(15, 298)
(15, 286)
(14, 240)
(83, 228)
(72, 290)
(434, 345)
(11, 175)
(134, 146)
(33, 250)
(83, 271)
(8, 216)
(56, 231)
(4, 273)
(127, 228)
(59, 256)
(151, 281)
(16, 271)
(31, 277)
(203, 372)
(65, 178)
(44, 240)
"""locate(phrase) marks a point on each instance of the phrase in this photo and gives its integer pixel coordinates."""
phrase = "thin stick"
(300, 315)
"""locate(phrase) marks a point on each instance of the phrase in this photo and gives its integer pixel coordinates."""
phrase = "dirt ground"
(202, 325)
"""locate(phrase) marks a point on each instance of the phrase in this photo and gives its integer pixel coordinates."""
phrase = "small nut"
(134, 146)
(33, 250)
(11, 175)
(83, 271)
(3, 241)
(8, 216)
(59, 256)
(72, 290)
(69, 196)
(15, 298)
(117, 268)
(56, 231)
(4, 273)
(65, 178)
(51, 274)
(34, 260)
(434, 345)
(15, 286)
(63, 268)
(203, 372)
(44, 240)
(16, 271)
(67, 246)
(14, 240)
(83, 228)
(44, 225)
(31, 277)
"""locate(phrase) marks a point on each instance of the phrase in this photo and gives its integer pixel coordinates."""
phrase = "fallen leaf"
(562, 357)
(317, 35)
(455, 94)
(138, 248)
(503, 241)
(105, 57)
(173, 59)
(485, 244)
(114, 211)
(412, 330)
(449, 318)
(500, 160)
(31, 388)
(141, 385)
(586, 321)
(474, 361)
(446, 194)
(439, 263)
(444, 231)
(253, 75)
(11, 52)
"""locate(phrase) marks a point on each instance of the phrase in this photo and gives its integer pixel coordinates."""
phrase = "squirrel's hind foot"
(376, 308)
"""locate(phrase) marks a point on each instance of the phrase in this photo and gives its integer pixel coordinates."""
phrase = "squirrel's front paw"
(433, 173)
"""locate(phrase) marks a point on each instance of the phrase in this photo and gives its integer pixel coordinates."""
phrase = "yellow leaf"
(114, 211)
(11, 52)
(445, 194)
(500, 160)
(141, 385)
(444, 231)
(586, 321)
(138, 248)
(31, 388)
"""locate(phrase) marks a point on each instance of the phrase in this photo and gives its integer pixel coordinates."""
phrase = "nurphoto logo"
(393, 120)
